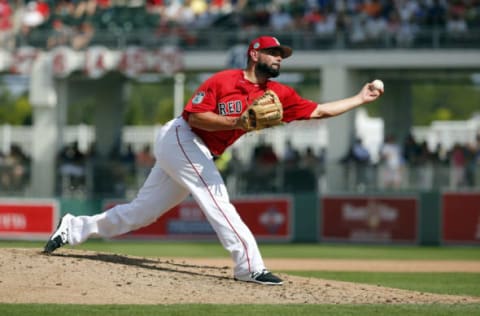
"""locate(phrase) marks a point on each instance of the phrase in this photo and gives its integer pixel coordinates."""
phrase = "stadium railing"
(211, 39)
(119, 180)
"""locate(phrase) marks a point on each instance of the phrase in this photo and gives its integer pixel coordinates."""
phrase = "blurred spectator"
(261, 175)
(85, 9)
(360, 153)
(309, 160)
(408, 27)
(301, 173)
(375, 28)
(82, 35)
(144, 161)
(457, 166)
(477, 148)
(357, 32)
(407, 9)
(63, 10)
(72, 167)
(280, 19)
(14, 169)
(128, 158)
(406, 34)
(322, 155)
(440, 155)
(106, 4)
(456, 25)
(145, 158)
(358, 160)
(266, 158)
(410, 150)
(357, 153)
(470, 165)
(391, 164)
(155, 6)
(312, 17)
(435, 13)
(328, 27)
(371, 8)
(291, 156)
(423, 166)
(178, 13)
(234, 171)
(236, 55)
(60, 35)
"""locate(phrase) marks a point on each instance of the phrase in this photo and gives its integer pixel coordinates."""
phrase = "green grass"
(438, 282)
(214, 249)
(370, 252)
(238, 310)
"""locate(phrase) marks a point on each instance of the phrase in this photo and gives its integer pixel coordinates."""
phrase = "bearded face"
(267, 70)
(268, 64)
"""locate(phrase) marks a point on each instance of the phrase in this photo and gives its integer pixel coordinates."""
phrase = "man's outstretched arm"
(329, 109)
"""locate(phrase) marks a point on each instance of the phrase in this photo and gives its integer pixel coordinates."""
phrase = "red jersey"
(229, 93)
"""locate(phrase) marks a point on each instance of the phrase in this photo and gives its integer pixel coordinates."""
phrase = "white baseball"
(378, 84)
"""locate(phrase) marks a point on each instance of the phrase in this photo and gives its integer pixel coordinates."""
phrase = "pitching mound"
(85, 277)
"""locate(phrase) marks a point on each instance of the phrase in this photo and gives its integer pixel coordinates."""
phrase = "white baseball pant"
(184, 166)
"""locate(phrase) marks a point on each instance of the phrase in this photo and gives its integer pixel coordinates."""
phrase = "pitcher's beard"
(268, 71)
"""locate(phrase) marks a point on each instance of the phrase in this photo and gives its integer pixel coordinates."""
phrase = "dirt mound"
(85, 277)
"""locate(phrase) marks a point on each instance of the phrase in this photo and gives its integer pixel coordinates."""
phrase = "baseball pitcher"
(227, 105)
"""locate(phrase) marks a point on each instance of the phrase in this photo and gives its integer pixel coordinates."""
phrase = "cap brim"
(286, 51)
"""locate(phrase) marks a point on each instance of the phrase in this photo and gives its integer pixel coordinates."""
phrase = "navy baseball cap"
(264, 42)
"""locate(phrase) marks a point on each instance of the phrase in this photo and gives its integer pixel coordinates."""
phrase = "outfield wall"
(421, 218)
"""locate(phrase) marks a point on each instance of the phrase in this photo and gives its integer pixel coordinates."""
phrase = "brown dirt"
(86, 277)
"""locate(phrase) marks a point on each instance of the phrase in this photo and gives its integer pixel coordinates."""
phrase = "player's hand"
(369, 93)
(238, 124)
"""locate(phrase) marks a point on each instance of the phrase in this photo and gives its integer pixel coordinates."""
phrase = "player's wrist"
(233, 122)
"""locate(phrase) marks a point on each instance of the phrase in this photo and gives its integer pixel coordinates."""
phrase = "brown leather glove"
(264, 112)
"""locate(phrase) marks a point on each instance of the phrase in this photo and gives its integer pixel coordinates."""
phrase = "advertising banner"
(373, 219)
(27, 219)
(267, 218)
(461, 218)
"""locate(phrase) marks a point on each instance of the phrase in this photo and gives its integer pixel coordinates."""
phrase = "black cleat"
(60, 237)
(263, 277)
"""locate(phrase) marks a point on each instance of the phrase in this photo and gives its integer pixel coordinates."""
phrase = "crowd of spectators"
(270, 171)
(407, 164)
(77, 23)
(402, 164)
(411, 164)
(84, 173)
